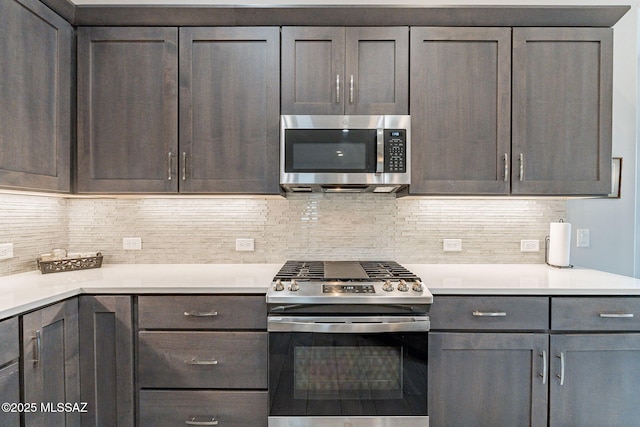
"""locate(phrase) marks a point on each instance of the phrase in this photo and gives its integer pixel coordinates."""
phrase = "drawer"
(160, 408)
(203, 359)
(9, 340)
(595, 314)
(202, 312)
(490, 313)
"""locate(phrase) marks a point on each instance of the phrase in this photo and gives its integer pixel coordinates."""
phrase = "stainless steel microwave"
(345, 153)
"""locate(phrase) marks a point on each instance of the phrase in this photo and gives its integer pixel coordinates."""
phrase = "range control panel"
(348, 289)
(395, 150)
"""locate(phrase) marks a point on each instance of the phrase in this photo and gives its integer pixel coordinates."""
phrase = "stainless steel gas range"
(347, 345)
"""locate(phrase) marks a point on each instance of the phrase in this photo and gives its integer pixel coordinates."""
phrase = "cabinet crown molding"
(359, 15)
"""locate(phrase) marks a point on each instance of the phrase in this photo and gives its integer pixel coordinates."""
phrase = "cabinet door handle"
(351, 89)
(192, 421)
(489, 313)
(184, 165)
(195, 361)
(337, 88)
(506, 167)
(544, 366)
(200, 313)
(169, 176)
(37, 348)
(521, 167)
(616, 315)
(561, 376)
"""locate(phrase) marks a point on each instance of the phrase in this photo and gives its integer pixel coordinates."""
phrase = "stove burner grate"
(314, 270)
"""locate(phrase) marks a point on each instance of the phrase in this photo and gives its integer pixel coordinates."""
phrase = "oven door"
(358, 371)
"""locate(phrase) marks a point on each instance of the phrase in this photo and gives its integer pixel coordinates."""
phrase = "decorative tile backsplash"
(303, 226)
(34, 224)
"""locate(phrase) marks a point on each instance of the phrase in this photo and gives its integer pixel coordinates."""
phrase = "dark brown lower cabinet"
(200, 362)
(9, 370)
(488, 379)
(595, 380)
(10, 393)
(106, 361)
(51, 364)
(160, 408)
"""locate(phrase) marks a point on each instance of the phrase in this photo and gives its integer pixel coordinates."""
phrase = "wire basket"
(70, 264)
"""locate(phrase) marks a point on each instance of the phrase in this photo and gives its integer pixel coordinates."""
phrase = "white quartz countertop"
(27, 291)
(521, 279)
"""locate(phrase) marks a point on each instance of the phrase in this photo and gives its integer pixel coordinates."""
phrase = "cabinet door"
(35, 97)
(10, 393)
(562, 91)
(106, 360)
(595, 380)
(127, 110)
(10, 372)
(460, 110)
(313, 80)
(377, 73)
(487, 379)
(229, 110)
(50, 364)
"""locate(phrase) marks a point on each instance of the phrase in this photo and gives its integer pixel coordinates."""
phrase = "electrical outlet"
(530, 245)
(245, 245)
(6, 250)
(452, 245)
(582, 238)
(132, 243)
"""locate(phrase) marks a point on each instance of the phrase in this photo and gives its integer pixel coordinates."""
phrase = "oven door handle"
(348, 325)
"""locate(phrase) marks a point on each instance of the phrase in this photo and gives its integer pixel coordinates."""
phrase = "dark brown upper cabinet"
(562, 102)
(128, 115)
(229, 110)
(525, 116)
(337, 70)
(35, 97)
(460, 110)
(127, 110)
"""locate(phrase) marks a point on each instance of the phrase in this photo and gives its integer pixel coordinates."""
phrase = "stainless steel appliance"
(347, 345)
(345, 153)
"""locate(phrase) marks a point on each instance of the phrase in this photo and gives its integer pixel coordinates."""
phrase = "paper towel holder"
(546, 255)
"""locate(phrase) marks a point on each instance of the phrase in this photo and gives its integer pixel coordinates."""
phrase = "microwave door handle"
(380, 147)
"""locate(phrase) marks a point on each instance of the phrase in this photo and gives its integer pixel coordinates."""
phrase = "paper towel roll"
(559, 244)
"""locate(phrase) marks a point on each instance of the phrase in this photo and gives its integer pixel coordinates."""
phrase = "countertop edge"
(25, 292)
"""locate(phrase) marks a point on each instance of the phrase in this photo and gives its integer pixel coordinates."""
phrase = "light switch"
(582, 238)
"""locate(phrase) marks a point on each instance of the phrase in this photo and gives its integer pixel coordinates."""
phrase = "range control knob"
(293, 286)
(402, 286)
(417, 286)
(387, 287)
(278, 286)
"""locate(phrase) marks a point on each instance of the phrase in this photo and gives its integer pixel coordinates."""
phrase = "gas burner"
(348, 270)
(347, 282)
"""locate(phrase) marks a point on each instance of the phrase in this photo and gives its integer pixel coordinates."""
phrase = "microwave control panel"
(395, 150)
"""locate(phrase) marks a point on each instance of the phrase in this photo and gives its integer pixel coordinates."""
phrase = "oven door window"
(347, 374)
(330, 150)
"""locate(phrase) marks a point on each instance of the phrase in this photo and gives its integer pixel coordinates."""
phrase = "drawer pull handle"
(200, 314)
(192, 421)
(195, 361)
(477, 313)
(616, 315)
